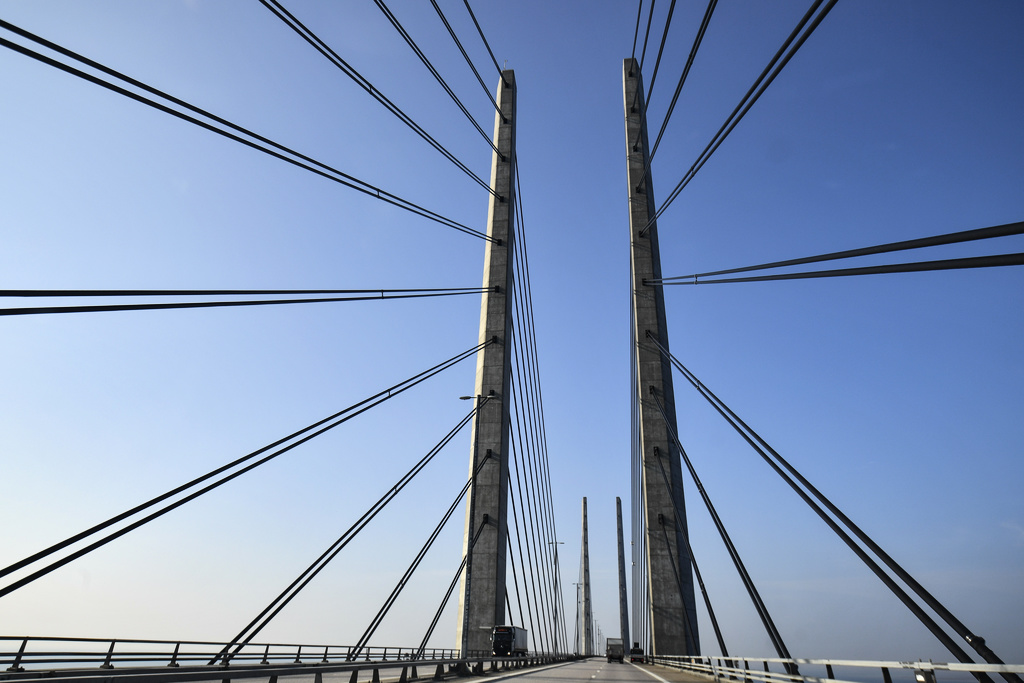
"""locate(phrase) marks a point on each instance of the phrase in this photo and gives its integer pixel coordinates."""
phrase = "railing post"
(924, 676)
(174, 656)
(16, 667)
(110, 654)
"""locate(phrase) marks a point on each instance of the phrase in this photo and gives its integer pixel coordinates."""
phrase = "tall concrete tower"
(482, 590)
(670, 575)
(588, 617)
(623, 606)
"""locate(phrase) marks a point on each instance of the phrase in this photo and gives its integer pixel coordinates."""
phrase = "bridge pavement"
(600, 670)
(593, 670)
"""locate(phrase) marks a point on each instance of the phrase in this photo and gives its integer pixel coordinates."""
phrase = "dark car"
(636, 654)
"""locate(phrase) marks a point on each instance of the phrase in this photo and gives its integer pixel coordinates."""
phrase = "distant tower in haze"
(588, 622)
(623, 607)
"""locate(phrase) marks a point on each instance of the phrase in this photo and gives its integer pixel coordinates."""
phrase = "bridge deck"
(594, 670)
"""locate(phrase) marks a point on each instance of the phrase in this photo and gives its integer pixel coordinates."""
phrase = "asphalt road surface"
(594, 670)
(598, 670)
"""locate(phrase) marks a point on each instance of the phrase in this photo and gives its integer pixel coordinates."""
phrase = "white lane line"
(527, 672)
(649, 673)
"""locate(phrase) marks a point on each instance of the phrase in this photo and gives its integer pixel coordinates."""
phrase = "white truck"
(508, 641)
(613, 648)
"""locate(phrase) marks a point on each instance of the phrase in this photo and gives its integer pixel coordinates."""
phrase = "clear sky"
(900, 396)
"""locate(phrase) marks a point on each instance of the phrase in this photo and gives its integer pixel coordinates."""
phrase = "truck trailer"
(508, 641)
(613, 648)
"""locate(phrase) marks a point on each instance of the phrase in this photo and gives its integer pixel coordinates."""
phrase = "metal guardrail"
(19, 652)
(750, 669)
(167, 661)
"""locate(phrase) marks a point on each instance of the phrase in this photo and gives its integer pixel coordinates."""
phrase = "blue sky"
(899, 396)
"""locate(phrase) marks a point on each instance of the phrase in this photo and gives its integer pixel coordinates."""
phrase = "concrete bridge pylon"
(588, 615)
(482, 587)
(670, 573)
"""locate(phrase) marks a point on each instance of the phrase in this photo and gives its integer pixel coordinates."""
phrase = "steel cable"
(993, 261)
(469, 61)
(780, 465)
(448, 594)
(404, 580)
(680, 523)
(528, 445)
(647, 33)
(689, 628)
(430, 67)
(310, 432)
(482, 36)
(521, 447)
(679, 88)
(525, 363)
(992, 232)
(382, 295)
(661, 49)
(532, 556)
(258, 142)
(741, 569)
(273, 148)
(69, 293)
(537, 536)
(522, 560)
(657, 62)
(292, 22)
(536, 403)
(793, 43)
(636, 30)
(515, 580)
(524, 510)
(293, 589)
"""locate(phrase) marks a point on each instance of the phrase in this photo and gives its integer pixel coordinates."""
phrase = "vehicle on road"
(613, 649)
(508, 641)
(636, 653)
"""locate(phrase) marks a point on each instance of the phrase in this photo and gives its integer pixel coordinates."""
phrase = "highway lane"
(593, 670)
(597, 670)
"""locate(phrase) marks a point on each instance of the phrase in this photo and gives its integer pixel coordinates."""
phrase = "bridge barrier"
(165, 661)
(58, 653)
(759, 670)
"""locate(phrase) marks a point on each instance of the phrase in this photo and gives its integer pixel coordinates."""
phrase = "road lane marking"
(649, 673)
